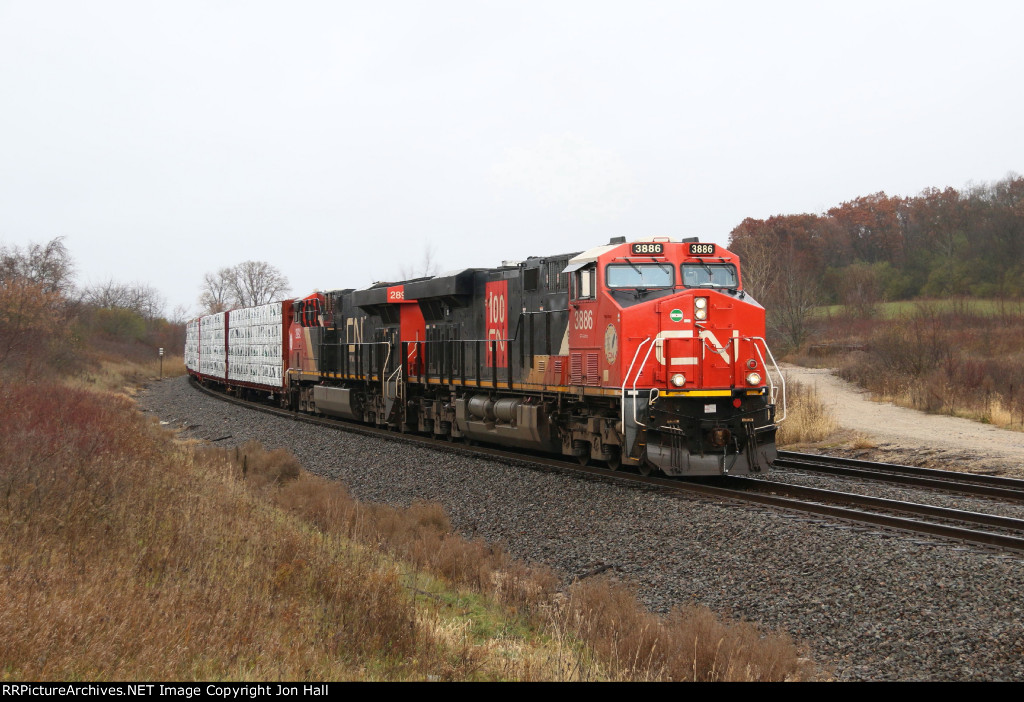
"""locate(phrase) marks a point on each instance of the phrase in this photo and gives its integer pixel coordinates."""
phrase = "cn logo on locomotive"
(496, 321)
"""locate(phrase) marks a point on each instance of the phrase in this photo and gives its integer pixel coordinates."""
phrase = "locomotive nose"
(719, 437)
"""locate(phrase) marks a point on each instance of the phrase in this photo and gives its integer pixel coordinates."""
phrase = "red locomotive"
(647, 354)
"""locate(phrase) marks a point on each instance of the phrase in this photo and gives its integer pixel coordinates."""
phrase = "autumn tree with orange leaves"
(879, 247)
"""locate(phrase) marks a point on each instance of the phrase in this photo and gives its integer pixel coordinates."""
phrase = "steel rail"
(969, 483)
(744, 496)
(848, 498)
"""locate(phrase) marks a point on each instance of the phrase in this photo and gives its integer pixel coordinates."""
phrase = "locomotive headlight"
(700, 307)
(753, 378)
(679, 380)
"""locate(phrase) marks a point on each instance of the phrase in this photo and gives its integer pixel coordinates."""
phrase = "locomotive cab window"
(583, 283)
(710, 275)
(639, 275)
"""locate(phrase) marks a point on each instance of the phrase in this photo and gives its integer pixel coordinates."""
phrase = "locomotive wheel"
(584, 459)
(615, 462)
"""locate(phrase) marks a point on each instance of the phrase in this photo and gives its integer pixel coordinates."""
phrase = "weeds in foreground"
(129, 556)
(623, 640)
(689, 644)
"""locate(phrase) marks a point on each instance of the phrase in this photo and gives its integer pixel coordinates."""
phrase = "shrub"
(807, 418)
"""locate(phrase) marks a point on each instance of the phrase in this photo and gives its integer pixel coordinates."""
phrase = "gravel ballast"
(867, 605)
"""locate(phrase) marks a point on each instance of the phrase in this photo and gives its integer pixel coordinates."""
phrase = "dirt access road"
(904, 435)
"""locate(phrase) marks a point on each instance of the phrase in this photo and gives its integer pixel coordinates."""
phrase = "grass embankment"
(958, 357)
(129, 555)
(112, 374)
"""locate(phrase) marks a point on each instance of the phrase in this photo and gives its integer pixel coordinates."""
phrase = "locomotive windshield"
(640, 275)
(710, 275)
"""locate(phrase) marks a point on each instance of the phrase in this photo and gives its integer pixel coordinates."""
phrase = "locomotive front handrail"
(622, 408)
(771, 383)
(636, 378)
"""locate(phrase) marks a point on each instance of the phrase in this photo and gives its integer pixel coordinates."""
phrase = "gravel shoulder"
(924, 439)
(866, 604)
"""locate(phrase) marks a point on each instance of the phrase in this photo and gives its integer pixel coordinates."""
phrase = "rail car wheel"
(581, 449)
(644, 468)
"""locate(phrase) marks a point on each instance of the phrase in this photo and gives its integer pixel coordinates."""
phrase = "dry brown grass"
(960, 359)
(807, 420)
(123, 376)
(130, 556)
(420, 535)
(624, 641)
(690, 644)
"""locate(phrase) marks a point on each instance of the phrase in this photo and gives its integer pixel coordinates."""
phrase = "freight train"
(646, 354)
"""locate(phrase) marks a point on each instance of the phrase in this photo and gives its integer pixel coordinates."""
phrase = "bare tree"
(860, 290)
(217, 293)
(180, 315)
(47, 265)
(759, 266)
(794, 298)
(247, 284)
(257, 283)
(31, 319)
(777, 278)
(144, 300)
(427, 266)
(34, 308)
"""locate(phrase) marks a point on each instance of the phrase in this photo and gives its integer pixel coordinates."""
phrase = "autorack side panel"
(256, 338)
(192, 345)
(213, 346)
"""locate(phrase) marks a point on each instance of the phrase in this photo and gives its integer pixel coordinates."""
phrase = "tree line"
(940, 243)
(47, 323)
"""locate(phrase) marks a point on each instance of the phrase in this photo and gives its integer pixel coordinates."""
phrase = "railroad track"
(947, 481)
(937, 522)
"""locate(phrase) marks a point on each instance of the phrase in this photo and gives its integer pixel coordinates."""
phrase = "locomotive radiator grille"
(576, 369)
(593, 374)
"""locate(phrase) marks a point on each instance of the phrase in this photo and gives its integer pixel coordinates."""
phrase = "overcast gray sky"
(337, 139)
